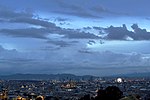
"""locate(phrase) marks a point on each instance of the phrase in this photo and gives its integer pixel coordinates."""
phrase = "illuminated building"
(39, 98)
(119, 80)
(3, 95)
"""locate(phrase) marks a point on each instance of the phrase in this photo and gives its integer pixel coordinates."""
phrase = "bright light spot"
(119, 80)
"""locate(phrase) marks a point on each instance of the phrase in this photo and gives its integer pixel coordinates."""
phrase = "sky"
(81, 37)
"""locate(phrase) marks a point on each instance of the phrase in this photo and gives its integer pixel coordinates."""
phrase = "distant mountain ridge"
(66, 76)
(45, 77)
(138, 75)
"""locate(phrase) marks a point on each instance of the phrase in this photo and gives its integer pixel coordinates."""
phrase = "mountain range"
(66, 76)
(45, 77)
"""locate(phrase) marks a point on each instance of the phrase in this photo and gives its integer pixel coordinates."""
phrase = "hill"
(45, 77)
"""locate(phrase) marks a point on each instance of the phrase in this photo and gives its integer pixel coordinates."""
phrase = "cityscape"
(90, 88)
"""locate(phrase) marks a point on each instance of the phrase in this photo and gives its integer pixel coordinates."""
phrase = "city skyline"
(88, 37)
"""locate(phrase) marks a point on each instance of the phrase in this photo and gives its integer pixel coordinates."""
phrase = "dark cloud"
(87, 28)
(24, 17)
(64, 23)
(79, 35)
(140, 34)
(97, 28)
(117, 33)
(85, 51)
(70, 6)
(101, 10)
(27, 16)
(74, 10)
(15, 61)
(40, 33)
(121, 33)
(47, 27)
(37, 22)
(135, 8)
(91, 42)
(138, 30)
(82, 13)
(60, 43)
(6, 13)
(59, 19)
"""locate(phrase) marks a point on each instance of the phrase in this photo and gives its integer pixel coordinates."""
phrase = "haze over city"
(82, 37)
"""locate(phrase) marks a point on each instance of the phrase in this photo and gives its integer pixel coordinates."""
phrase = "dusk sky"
(81, 37)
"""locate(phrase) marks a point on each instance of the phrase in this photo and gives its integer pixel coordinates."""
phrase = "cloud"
(115, 33)
(68, 50)
(86, 51)
(121, 33)
(6, 13)
(11, 16)
(37, 22)
(59, 19)
(29, 33)
(91, 42)
(60, 43)
(90, 7)
(74, 34)
(43, 33)
(11, 55)
(74, 10)
(62, 61)
(47, 27)
(98, 28)
(103, 11)
(108, 58)
(82, 13)
(99, 9)
(87, 28)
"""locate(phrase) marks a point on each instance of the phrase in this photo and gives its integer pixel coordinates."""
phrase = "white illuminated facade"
(119, 80)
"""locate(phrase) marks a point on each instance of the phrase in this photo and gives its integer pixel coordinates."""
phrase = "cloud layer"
(72, 36)
(57, 62)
